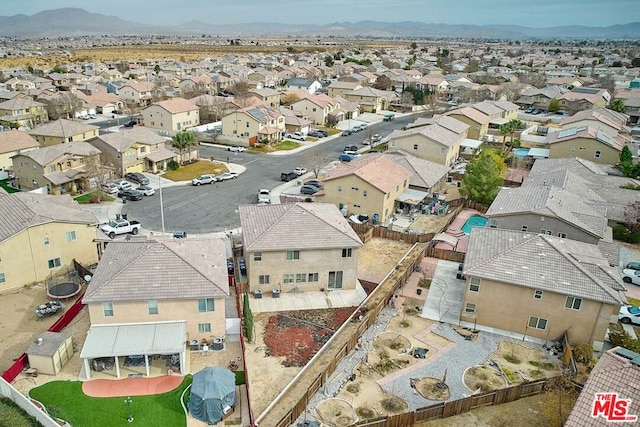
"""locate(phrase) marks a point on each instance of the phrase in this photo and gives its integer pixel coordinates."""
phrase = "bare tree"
(534, 79)
(240, 92)
(97, 174)
(315, 161)
(383, 83)
(63, 105)
(289, 99)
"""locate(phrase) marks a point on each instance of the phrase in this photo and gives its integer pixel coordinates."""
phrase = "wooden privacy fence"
(445, 254)
(457, 407)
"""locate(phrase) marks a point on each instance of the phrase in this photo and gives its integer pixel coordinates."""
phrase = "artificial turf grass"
(65, 400)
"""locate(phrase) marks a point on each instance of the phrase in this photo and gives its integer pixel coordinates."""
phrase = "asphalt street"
(212, 208)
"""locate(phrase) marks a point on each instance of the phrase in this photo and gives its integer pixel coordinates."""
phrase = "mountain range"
(78, 22)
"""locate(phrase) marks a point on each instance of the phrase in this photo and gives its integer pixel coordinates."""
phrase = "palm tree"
(515, 125)
(618, 105)
(179, 142)
(505, 129)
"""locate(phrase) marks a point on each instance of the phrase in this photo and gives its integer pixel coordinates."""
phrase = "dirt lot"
(378, 257)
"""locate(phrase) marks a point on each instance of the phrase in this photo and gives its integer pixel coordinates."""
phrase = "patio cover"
(539, 152)
(160, 155)
(447, 238)
(412, 197)
(134, 338)
(471, 143)
(499, 121)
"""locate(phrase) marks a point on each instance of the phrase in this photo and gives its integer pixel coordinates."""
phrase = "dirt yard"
(378, 256)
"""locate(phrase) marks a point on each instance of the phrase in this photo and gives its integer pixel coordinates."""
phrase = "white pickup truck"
(121, 226)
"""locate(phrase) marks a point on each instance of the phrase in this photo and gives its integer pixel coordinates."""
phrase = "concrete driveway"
(444, 299)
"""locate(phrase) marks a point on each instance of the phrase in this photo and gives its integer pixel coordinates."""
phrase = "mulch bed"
(298, 335)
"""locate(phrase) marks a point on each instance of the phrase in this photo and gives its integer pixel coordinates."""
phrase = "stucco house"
(298, 247)
(317, 108)
(23, 111)
(138, 93)
(608, 121)
(44, 235)
(309, 84)
(134, 150)
(478, 122)
(438, 142)
(171, 115)
(370, 185)
(61, 168)
(180, 296)
(552, 285)
(584, 98)
(260, 122)
(267, 96)
(14, 142)
(586, 142)
(426, 176)
(62, 131)
(197, 85)
(371, 99)
(339, 88)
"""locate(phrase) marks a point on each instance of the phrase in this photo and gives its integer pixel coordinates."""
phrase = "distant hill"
(75, 22)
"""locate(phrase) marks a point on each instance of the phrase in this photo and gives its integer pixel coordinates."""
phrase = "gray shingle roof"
(542, 262)
(62, 128)
(425, 173)
(176, 269)
(19, 211)
(295, 226)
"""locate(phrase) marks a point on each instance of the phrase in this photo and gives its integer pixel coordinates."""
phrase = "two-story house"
(536, 286)
(14, 142)
(63, 131)
(584, 98)
(137, 93)
(134, 150)
(316, 107)
(43, 236)
(61, 168)
(309, 84)
(261, 123)
(438, 142)
(370, 185)
(267, 96)
(172, 115)
(586, 142)
(24, 111)
(298, 247)
(478, 122)
(608, 121)
(151, 296)
(371, 99)
(339, 88)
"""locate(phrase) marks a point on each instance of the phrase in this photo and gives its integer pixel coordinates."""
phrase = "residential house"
(267, 96)
(41, 237)
(553, 286)
(60, 81)
(434, 83)
(212, 108)
(371, 99)
(339, 88)
(316, 107)
(111, 74)
(298, 247)
(261, 123)
(478, 122)
(584, 98)
(586, 142)
(438, 142)
(14, 142)
(613, 382)
(539, 98)
(197, 85)
(263, 78)
(137, 93)
(605, 120)
(134, 150)
(294, 122)
(24, 111)
(62, 168)
(426, 176)
(631, 99)
(309, 84)
(172, 115)
(369, 185)
(180, 296)
(62, 131)
(509, 109)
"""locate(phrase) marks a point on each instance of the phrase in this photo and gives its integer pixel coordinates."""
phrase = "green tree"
(626, 155)
(483, 177)
(156, 69)
(554, 105)
(413, 45)
(248, 318)
(618, 105)
(58, 69)
(328, 61)
(180, 142)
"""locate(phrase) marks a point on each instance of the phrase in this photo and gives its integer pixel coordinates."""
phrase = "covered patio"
(126, 347)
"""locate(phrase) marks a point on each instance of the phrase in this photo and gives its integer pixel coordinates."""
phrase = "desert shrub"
(512, 359)
(536, 373)
(173, 165)
(510, 376)
(583, 353)
(365, 413)
(534, 363)
(353, 388)
(396, 345)
(619, 337)
(404, 324)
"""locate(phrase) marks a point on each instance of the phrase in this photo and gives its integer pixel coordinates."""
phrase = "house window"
(2, 278)
(53, 263)
(70, 236)
(46, 241)
(364, 193)
(313, 277)
(107, 309)
(493, 223)
(443, 150)
(143, 149)
(547, 232)
(335, 280)
(205, 305)
(537, 294)
(288, 278)
(263, 279)
(474, 286)
(415, 146)
(301, 277)
(204, 328)
(598, 154)
(339, 188)
(524, 228)
(470, 308)
(346, 253)
(562, 235)
(537, 323)
(257, 256)
(247, 124)
(573, 303)
(152, 305)
(291, 255)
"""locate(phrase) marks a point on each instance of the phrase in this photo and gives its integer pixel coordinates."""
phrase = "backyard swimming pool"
(474, 221)
(521, 152)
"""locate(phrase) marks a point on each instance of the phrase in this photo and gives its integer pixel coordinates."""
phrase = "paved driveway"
(444, 299)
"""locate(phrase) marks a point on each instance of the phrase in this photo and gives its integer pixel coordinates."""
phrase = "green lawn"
(64, 399)
(194, 170)
(286, 144)
(14, 416)
(8, 189)
(88, 197)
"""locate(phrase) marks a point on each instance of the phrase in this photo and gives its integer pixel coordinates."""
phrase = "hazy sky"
(532, 13)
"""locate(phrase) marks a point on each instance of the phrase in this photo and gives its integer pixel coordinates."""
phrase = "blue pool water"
(521, 152)
(474, 221)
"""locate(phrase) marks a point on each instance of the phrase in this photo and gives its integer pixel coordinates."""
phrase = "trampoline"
(63, 290)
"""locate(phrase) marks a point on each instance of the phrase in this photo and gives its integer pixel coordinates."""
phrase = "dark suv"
(288, 176)
(136, 177)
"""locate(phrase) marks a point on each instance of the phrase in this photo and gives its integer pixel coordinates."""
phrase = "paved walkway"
(293, 300)
(444, 299)
(131, 386)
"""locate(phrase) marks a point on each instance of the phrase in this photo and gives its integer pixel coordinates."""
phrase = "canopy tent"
(213, 394)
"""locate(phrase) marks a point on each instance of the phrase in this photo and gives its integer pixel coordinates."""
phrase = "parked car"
(236, 149)
(376, 137)
(124, 185)
(117, 111)
(366, 141)
(136, 177)
(535, 112)
(130, 124)
(93, 116)
(300, 171)
(288, 176)
(356, 128)
(344, 157)
(243, 267)
(629, 314)
(226, 176)
(346, 132)
(230, 266)
(309, 189)
(322, 132)
(110, 188)
(389, 117)
(299, 136)
(130, 194)
(633, 265)
(264, 197)
(146, 190)
(315, 183)
(179, 234)
(83, 116)
(204, 179)
(630, 276)
(315, 134)
(363, 126)
(121, 226)
(353, 148)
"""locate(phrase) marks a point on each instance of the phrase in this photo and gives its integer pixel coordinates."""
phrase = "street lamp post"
(128, 402)
(161, 205)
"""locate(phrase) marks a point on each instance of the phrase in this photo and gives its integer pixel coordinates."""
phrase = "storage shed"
(50, 351)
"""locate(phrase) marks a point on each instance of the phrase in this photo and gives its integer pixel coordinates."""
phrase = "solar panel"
(567, 132)
(604, 138)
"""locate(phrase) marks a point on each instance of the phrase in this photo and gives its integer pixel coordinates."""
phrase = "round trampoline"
(63, 290)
